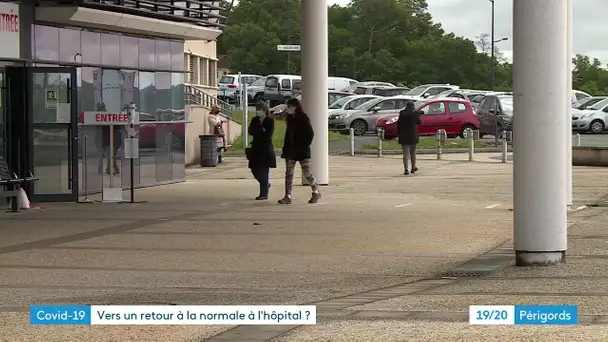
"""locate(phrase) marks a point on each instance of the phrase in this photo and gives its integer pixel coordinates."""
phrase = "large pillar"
(569, 106)
(539, 173)
(314, 82)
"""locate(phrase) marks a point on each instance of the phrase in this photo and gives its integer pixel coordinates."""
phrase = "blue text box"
(60, 314)
(546, 314)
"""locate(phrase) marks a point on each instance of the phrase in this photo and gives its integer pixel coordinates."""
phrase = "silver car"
(349, 103)
(363, 119)
(586, 102)
(255, 91)
(594, 119)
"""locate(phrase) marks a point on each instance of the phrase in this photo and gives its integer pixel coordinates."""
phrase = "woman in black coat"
(407, 129)
(296, 149)
(261, 153)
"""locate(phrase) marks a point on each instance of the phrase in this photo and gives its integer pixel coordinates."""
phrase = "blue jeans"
(261, 175)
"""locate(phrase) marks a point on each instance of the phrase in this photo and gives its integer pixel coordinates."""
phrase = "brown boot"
(316, 196)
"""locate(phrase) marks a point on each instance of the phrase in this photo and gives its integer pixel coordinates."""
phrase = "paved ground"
(368, 255)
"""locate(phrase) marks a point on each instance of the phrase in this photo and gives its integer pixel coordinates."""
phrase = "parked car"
(255, 90)
(350, 103)
(495, 113)
(452, 115)
(578, 95)
(465, 94)
(332, 96)
(229, 85)
(585, 102)
(277, 88)
(427, 90)
(333, 84)
(594, 119)
(361, 90)
(390, 91)
(352, 87)
(363, 119)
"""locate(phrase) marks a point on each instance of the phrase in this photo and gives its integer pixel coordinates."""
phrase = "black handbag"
(248, 153)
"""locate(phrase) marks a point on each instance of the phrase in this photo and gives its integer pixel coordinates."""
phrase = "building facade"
(61, 59)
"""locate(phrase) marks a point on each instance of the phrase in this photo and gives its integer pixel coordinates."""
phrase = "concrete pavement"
(369, 254)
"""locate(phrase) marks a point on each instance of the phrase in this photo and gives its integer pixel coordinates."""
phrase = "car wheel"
(464, 129)
(389, 138)
(359, 126)
(596, 126)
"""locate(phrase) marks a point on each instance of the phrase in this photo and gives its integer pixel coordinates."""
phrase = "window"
(226, 80)
(110, 49)
(286, 84)
(485, 103)
(162, 54)
(146, 53)
(177, 50)
(203, 79)
(435, 108)
(129, 52)
(360, 90)
(212, 73)
(436, 90)
(272, 82)
(69, 45)
(456, 107)
(387, 105)
(580, 96)
(192, 66)
(46, 42)
(356, 103)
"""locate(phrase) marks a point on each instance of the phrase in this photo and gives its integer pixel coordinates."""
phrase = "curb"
(396, 152)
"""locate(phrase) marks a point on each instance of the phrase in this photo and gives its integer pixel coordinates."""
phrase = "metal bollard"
(352, 141)
(380, 134)
(469, 135)
(441, 137)
(577, 140)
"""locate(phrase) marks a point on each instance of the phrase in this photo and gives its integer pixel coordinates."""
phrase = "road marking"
(403, 205)
(493, 206)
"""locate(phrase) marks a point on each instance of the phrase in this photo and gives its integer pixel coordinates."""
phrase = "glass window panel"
(147, 129)
(46, 42)
(91, 47)
(177, 56)
(146, 53)
(90, 137)
(69, 45)
(212, 74)
(111, 91)
(130, 87)
(178, 131)
(147, 97)
(162, 53)
(129, 52)
(110, 49)
(164, 133)
(162, 81)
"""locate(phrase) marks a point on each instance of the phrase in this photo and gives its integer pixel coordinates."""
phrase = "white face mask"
(290, 110)
(259, 113)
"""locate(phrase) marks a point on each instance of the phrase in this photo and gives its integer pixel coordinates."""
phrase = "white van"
(278, 88)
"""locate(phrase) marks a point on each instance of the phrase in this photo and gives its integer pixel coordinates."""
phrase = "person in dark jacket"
(296, 148)
(407, 129)
(261, 156)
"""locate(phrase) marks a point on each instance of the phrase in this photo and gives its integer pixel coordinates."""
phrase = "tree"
(483, 42)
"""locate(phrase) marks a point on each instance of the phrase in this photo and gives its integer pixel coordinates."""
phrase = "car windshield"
(507, 105)
(599, 105)
(259, 82)
(341, 102)
(417, 91)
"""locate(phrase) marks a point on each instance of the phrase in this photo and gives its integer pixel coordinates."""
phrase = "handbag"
(219, 131)
(248, 153)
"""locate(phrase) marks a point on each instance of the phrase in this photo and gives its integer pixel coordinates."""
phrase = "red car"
(453, 115)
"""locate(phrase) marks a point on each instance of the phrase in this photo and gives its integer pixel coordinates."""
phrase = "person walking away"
(105, 148)
(261, 153)
(407, 129)
(296, 148)
(215, 128)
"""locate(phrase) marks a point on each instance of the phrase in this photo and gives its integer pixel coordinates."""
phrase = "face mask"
(290, 110)
(259, 113)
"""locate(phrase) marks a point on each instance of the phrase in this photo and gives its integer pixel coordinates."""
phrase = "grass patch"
(427, 143)
(280, 126)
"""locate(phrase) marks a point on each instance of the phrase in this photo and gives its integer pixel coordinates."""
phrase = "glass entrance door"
(3, 137)
(52, 121)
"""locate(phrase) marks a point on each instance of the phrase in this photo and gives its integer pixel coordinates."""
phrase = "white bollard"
(352, 141)
(380, 137)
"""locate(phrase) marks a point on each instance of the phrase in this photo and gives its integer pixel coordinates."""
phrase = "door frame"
(72, 129)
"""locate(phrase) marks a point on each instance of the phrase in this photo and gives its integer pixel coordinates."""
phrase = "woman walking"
(296, 148)
(407, 129)
(261, 153)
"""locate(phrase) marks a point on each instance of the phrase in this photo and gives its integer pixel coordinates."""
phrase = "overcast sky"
(470, 18)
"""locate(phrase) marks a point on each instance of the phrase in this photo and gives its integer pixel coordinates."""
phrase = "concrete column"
(314, 82)
(539, 172)
(569, 54)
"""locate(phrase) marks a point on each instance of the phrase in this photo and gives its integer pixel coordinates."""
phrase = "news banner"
(269, 314)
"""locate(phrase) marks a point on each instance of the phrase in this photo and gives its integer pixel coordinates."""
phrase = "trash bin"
(208, 150)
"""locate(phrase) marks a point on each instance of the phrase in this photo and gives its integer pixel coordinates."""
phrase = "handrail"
(197, 97)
